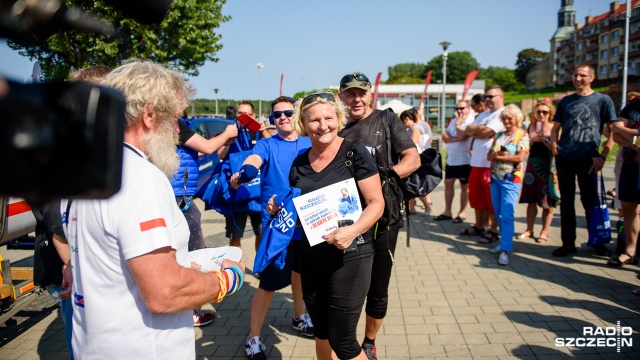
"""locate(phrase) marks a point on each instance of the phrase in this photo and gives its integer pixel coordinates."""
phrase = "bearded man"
(134, 288)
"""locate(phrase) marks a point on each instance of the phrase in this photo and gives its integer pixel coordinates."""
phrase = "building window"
(579, 46)
(615, 51)
(604, 54)
(603, 69)
(579, 58)
(605, 38)
(615, 35)
(614, 68)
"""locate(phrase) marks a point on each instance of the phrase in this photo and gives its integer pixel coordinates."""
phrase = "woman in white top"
(421, 135)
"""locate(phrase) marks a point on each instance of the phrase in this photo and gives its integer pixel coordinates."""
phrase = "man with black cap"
(386, 137)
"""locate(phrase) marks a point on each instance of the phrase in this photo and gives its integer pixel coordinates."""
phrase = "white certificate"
(320, 210)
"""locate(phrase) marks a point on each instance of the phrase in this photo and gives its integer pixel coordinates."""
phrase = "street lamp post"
(260, 67)
(445, 54)
(216, 93)
(533, 95)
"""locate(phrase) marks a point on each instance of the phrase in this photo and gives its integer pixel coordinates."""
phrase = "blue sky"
(314, 43)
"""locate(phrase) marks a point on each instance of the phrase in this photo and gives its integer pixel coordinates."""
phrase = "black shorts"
(274, 279)
(460, 172)
(628, 183)
(235, 225)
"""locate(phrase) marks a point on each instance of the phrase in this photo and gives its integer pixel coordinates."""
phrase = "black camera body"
(61, 140)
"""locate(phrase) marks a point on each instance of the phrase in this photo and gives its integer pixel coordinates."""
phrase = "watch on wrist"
(547, 140)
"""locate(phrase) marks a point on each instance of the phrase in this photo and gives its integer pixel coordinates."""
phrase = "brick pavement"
(448, 299)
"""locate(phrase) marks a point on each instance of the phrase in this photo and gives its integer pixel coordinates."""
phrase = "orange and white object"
(16, 219)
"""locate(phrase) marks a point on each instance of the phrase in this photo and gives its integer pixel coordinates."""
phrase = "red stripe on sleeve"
(152, 224)
(18, 208)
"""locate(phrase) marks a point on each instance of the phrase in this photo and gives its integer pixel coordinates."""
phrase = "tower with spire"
(566, 25)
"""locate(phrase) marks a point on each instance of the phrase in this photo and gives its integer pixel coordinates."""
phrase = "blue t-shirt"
(582, 119)
(277, 156)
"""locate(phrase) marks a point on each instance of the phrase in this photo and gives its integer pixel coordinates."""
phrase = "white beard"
(160, 147)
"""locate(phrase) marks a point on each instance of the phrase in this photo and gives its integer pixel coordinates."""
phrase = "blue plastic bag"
(599, 225)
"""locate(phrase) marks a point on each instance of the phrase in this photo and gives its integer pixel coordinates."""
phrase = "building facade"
(599, 43)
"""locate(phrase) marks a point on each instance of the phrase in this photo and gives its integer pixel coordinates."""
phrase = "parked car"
(16, 219)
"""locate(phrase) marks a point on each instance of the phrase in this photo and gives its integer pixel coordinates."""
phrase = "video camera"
(60, 139)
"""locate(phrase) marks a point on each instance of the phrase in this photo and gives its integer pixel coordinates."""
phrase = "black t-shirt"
(307, 180)
(582, 119)
(631, 113)
(47, 266)
(185, 133)
(371, 132)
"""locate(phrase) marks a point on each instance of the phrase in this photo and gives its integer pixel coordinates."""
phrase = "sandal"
(489, 237)
(616, 262)
(524, 235)
(444, 217)
(543, 238)
(473, 230)
(458, 220)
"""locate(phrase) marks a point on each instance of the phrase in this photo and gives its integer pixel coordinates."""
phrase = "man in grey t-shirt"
(582, 117)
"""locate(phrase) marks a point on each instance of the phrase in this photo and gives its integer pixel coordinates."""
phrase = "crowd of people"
(129, 289)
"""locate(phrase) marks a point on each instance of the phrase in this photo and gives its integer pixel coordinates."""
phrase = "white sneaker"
(504, 259)
(495, 250)
(255, 349)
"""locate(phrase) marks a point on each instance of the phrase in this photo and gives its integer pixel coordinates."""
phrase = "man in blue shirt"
(274, 156)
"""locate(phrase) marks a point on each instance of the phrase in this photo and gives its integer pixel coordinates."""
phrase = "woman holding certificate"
(336, 272)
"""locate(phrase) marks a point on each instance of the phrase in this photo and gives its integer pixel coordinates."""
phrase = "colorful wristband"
(238, 278)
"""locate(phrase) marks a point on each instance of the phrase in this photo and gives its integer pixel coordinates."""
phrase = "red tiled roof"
(620, 10)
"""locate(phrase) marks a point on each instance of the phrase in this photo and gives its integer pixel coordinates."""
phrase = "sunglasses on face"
(461, 108)
(348, 78)
(489, 97)
(278, 114)
(310, 99)
(542, 112)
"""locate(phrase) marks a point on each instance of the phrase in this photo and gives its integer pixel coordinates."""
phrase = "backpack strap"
(350, 161)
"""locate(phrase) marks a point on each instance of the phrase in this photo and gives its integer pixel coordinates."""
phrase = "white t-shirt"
(110, 318)
(481, 146)
(458, 152)
(424, 142)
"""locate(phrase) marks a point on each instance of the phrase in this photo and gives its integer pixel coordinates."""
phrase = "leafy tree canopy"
(406, 73)
(184, 40)
(505, 77)
(527, 59)
(459, 64)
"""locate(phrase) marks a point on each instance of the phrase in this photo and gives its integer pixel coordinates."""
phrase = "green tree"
(406, 73)
(527, 59)
(505, 77)
(459, 64)
(184, 40)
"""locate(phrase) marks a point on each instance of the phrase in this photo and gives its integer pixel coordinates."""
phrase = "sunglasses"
(348, 78)
(542, 112)
(310, 99)
(278, 114)
(490, 96)
(461, 108)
